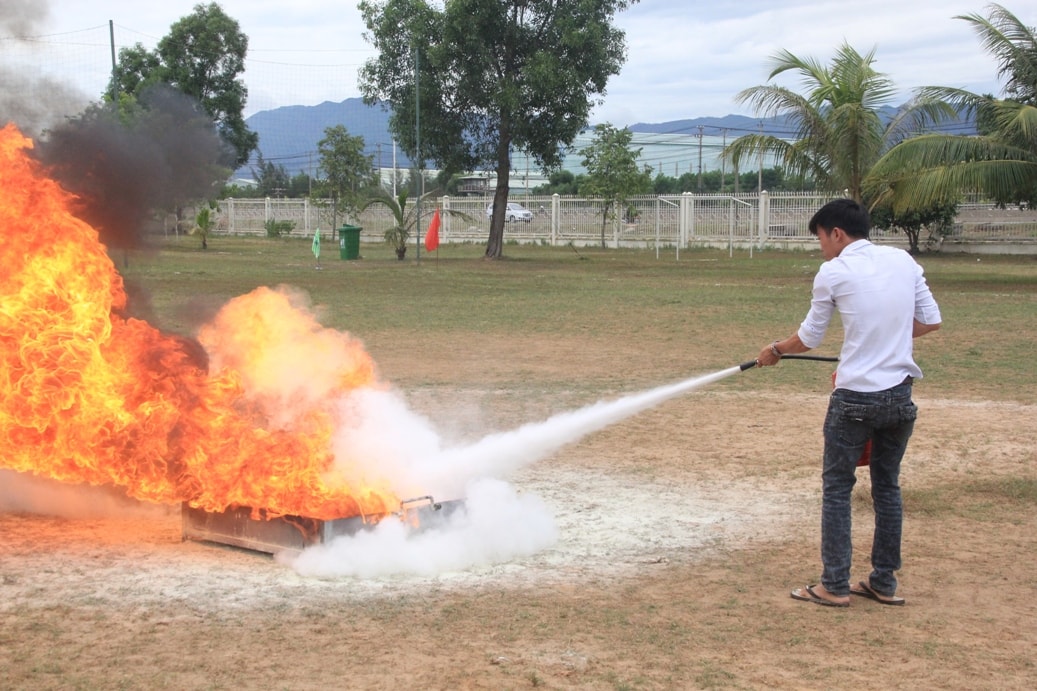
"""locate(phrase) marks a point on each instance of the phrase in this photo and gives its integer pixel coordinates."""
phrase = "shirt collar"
(856, 246)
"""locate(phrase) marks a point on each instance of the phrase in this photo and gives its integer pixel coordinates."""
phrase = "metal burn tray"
(271, 534)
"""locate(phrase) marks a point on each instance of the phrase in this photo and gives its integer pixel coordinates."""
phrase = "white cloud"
(684, 59)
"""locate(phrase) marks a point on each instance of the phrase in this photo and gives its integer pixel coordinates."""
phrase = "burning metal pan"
(236, 526)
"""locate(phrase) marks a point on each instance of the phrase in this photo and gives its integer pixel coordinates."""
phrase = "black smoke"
(126, 165)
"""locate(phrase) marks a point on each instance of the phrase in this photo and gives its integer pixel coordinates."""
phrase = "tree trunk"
(912, 240)
(495, 243)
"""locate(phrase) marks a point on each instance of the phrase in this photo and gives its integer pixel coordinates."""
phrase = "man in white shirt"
(884, 302)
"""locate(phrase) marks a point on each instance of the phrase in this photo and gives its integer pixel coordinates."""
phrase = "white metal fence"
(250, 216)
(668, 221)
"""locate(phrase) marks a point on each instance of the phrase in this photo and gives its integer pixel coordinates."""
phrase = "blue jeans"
(887, 418)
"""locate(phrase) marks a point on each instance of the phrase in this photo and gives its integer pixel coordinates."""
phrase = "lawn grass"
(704, 312)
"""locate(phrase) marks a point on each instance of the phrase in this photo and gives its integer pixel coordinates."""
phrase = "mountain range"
(289, 135)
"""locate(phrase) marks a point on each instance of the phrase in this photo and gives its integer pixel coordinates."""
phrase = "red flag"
(432, 236)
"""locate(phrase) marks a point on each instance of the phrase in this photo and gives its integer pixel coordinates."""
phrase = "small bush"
(275, 229)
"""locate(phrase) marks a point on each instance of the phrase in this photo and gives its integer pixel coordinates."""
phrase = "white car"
(514, 212)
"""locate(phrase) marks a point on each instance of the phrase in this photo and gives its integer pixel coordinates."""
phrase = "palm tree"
(1001, 162)
(204, 222)
(405, 220)
(839, 132)
(1014, 46)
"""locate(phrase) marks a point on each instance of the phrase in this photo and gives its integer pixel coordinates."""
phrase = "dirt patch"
(680, 532)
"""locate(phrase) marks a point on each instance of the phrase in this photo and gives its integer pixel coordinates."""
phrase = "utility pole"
(759, 175)
(700, 159)
(723, 161)
(421, 163)
(526, 183)
(115, 82)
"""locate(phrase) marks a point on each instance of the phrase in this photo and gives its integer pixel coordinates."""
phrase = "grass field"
(700, 602)
(661, 318)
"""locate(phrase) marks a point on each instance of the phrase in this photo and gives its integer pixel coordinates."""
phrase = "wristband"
(774, 349)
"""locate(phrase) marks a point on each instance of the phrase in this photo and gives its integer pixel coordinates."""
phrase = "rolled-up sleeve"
(926, 309)
(812, 330)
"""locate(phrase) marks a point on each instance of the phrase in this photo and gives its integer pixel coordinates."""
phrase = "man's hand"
(771, 353)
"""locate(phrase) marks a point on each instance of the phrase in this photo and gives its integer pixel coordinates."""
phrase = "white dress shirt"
(879, 292)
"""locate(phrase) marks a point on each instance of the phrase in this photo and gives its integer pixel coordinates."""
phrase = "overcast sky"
(685, 58)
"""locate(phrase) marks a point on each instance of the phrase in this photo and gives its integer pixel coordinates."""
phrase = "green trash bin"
(349, 242)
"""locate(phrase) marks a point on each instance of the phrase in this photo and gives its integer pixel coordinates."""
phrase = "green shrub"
(275, 229)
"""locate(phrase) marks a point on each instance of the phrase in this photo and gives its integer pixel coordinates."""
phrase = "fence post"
(765, 216)
(230, 214)
(658, 203)
(556, 214)
(731, 230)
(615, 223)
(445, 219)
(684, 216)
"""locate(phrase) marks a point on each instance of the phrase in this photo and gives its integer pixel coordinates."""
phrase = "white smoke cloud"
(380, 435)
(23, 17)
(495, 525)
(34, 104)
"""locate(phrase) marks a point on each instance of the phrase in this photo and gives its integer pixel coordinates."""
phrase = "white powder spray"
(497, 524)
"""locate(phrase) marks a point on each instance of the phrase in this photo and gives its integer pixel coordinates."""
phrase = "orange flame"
(91, 397)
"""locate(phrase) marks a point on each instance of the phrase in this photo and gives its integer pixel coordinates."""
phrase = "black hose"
(818, 358)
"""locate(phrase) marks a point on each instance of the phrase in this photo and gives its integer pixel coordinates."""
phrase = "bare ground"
(682, 531)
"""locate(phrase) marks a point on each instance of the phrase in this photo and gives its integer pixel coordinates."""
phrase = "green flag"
(316, 244)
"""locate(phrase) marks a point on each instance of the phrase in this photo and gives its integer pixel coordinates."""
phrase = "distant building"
(473, 186)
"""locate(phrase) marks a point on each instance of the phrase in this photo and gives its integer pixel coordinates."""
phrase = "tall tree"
(202, 56)
(612, 171)
(839, 134)
(345, 167)
(493, 76)
(272, 179)
(1002, 161)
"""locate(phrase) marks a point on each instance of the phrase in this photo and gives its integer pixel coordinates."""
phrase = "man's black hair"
(842, 213)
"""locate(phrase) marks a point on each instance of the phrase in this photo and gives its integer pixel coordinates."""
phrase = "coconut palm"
(839, 130)
(1014, 46)
(1001, 161)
